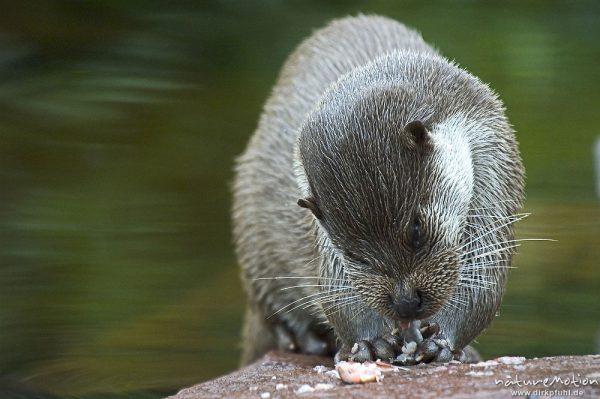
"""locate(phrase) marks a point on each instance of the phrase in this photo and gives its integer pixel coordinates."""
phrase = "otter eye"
(416, 237)
(355, 258)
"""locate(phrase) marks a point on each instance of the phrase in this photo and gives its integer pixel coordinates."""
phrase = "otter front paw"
(415, 344)
(384, 348)
(425, 344)
(309, 342)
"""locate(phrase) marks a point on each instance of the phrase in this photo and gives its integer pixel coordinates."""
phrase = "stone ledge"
(427, 381)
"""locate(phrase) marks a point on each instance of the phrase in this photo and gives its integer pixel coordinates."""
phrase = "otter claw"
(383, 349)
(459, 355)
(429, 330)
(424, 344)
(362, 352)
(395, 341)
(405, 360)
(418, 343)
(426, 351)
(412, 333)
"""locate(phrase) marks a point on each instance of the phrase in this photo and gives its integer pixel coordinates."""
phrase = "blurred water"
(118, 125)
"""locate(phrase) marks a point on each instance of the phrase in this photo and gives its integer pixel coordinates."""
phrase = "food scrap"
(359, 373)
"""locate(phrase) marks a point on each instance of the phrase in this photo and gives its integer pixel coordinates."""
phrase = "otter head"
(390, 195)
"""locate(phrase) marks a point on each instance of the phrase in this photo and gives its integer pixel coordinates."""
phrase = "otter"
(379, 191)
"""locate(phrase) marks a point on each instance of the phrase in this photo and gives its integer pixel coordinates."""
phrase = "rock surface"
(284, 375)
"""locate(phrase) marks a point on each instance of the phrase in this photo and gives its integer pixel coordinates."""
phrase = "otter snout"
(407, 304)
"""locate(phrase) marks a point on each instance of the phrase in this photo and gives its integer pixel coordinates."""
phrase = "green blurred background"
(119, 123)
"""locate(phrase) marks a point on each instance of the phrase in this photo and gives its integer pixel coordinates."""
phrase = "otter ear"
(419, 132)
(310, 203)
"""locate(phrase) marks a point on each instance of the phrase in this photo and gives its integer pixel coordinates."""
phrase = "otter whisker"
(480, 279)
(316, 258)
(337, 298)
(459, 297)
(490, 232)
(309, 285)
(315, 302)
(476, 284)
(497, 248)
(494, 252)
(495, 206)
(503, 243)
(362, 310)
(322, 246)
(334, 300)
(491, 266)
(297, 277)
(497, 216)
(303, 299)
(344, 302)
(489, 221)
(467, 263)
(475, 287)
(524, 239)
(452, 302)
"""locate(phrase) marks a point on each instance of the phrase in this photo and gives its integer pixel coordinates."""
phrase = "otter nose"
(407, 305)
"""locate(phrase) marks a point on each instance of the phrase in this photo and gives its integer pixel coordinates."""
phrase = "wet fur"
(333, 131)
